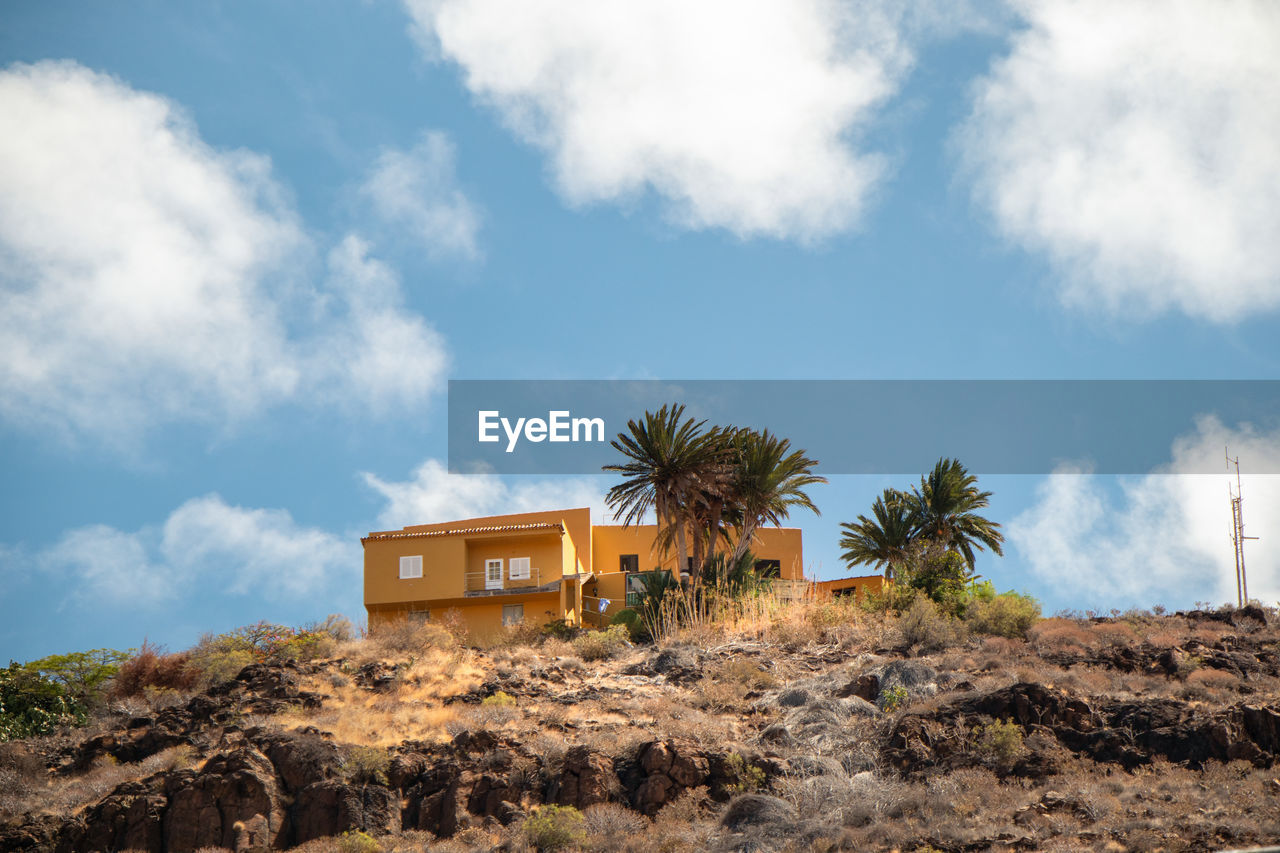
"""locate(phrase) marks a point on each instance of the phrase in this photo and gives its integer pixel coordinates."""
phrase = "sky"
(244, 246)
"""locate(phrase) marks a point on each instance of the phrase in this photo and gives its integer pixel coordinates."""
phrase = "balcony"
(480, 584)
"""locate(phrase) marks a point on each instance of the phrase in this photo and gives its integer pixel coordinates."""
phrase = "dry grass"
(67, 795)
(413, 709)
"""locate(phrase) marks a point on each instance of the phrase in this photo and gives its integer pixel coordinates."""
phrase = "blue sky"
(243, 246)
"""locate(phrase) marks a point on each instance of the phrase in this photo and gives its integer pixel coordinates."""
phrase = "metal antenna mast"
(1237, 531)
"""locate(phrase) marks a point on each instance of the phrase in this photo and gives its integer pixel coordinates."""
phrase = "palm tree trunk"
(717, 511)
(744, 542)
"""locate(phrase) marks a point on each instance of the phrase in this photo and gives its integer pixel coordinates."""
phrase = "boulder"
(234, 802)
(332, 807)
(586, 778)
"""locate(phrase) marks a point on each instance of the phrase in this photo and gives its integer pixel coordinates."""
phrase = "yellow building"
(534, 566)
(859, 587)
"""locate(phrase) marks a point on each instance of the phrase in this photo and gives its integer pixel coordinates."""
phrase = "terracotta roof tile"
(455, 531)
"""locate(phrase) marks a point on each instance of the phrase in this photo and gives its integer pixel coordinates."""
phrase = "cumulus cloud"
(1135, 144)
(204, 545)
(433, 495)
(417, 190)
(379, 353)
(740, 116)
(1161, 538)
(147, 277)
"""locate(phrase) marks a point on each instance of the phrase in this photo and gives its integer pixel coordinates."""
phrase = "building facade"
(539, 566)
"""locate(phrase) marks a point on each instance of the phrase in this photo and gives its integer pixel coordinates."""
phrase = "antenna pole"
(1237, 531)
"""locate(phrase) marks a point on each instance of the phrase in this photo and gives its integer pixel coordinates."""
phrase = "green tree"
(31, 704)
(945, 508)
(83, 675)
(672, 462)
(884, 540)
(769, 481)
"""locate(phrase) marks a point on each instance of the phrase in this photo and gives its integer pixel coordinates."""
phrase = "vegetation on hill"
(797, 726)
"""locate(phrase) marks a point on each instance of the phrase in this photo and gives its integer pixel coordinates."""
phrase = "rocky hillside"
(1130, 733)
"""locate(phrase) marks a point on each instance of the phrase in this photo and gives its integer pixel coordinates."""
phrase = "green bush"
(602, 644)
(559, 629)
(356, 841)
(894, 698)
(501, 699)
(83, 675)
(216, 662)
(555, 828)
(1007, 615)
(220, 657)
(31, 704)
(631, 620)
(746, 777)
(1000, 742)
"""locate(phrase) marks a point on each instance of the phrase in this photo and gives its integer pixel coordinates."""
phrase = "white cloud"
(146, 277)
(741, 116)
(105, 564)
(1165, 538)
(417, 190)
(1135, 144)
(433, 495)
(380, 354)
(205, 547)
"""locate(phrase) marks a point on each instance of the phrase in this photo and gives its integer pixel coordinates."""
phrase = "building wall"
(543, 551)
(448, 559)
(483, 617)
(857, 586)
(610, 542)
(582, 548)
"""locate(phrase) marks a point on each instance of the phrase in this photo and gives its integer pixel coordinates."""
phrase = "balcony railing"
(484, 583)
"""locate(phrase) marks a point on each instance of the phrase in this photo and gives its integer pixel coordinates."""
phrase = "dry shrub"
(747, 673)
(1213, 679)
(924, 628)
(602, 644)
(720, 697)
(607, 822)
(153, 668)
(1114, 633)
(1060, 633)
(408, 637)
(997, 646)
(63, 796)
(366, 765)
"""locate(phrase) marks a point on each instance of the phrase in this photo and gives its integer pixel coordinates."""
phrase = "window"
(769, 568)
(629, 563)
(493, 574)
(512, 614)
(411, 567)
(518, 569)
(417, 616)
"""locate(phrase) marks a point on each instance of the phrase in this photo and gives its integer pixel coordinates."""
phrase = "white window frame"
(510, 608)
(519, 569)
(492, 579)
(411, 567)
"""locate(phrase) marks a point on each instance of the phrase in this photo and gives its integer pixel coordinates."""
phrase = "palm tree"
(671, 463)
(768, 482)
(885, 540)
(945, 508)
